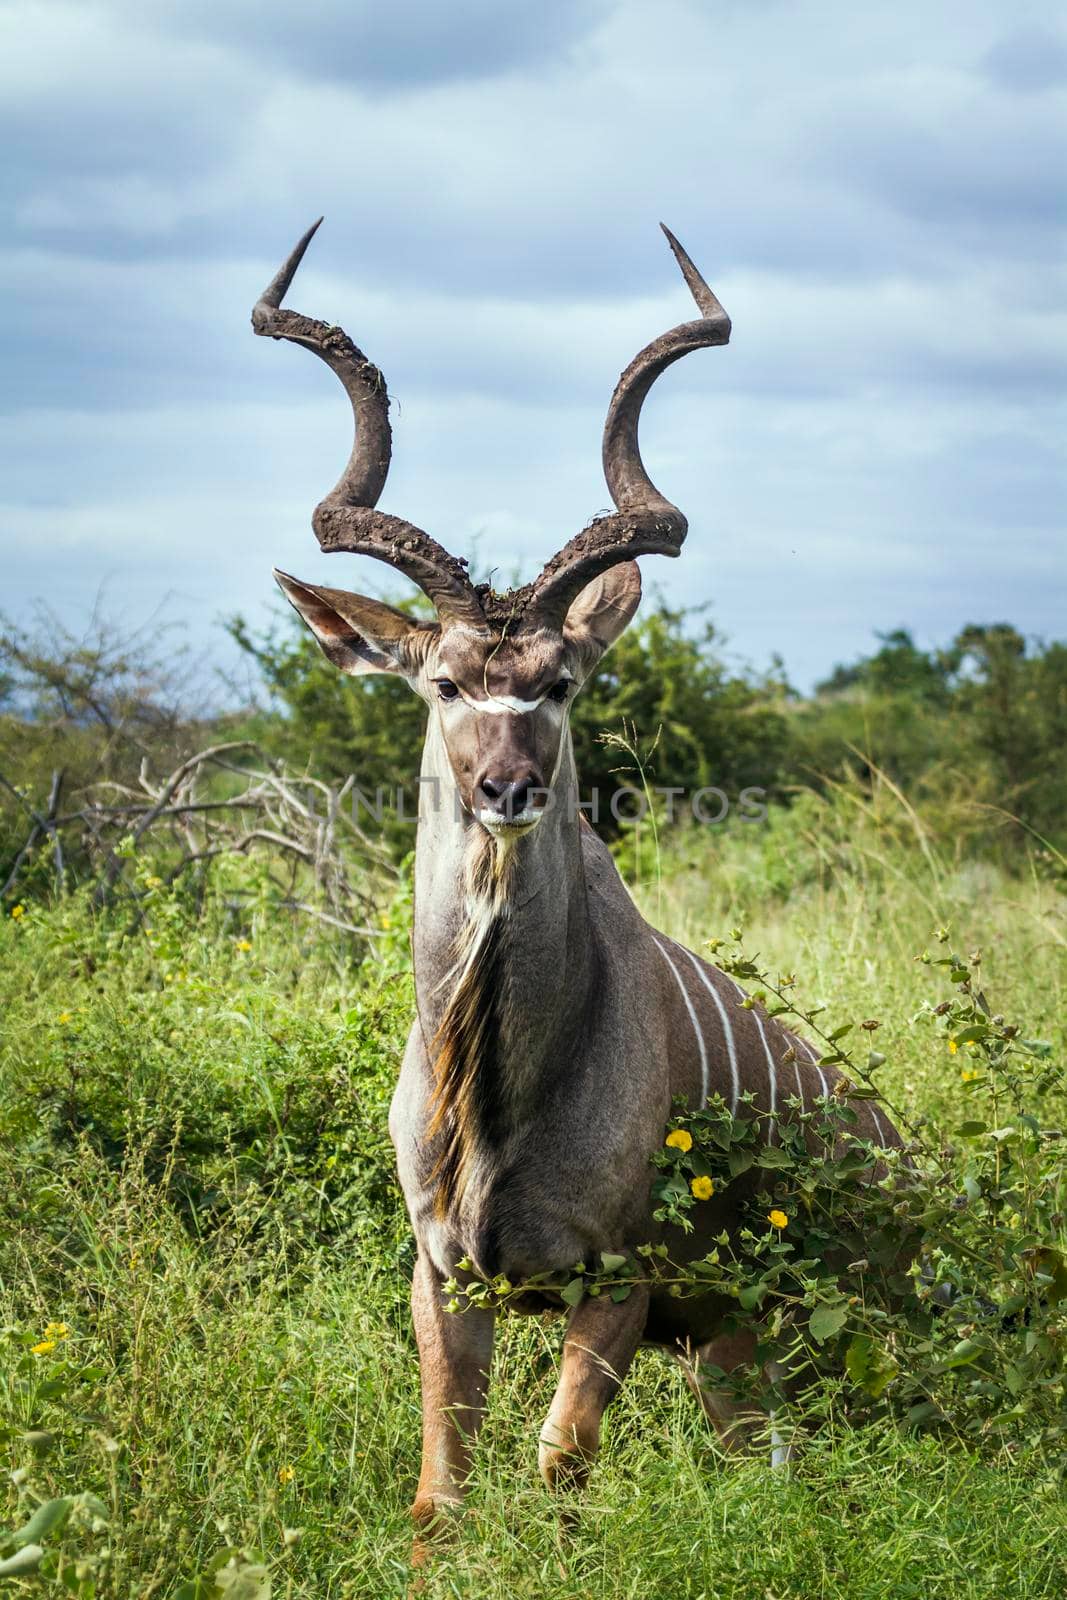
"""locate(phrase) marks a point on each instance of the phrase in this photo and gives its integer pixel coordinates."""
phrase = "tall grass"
(195, 1182)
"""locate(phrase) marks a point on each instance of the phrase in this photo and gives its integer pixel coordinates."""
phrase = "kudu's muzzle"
(510, 799)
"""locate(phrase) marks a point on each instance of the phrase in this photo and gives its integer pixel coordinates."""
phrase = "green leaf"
(28, 1559)
(621, 1292)
(853, 1161)
(868, 1365)
(610, 1262)
(826, 1321)
(244, 1580)
(963, 1354)
(47, 1519)
(751, 1296)
(574, 1292)
(774, 1156)
(971, 1130)
(858, 1357)
(839, 1033)
(977, 1030)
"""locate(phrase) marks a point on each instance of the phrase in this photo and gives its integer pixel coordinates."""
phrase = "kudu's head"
(499, 671)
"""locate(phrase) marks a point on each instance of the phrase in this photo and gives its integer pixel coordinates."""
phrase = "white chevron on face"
(503, 705)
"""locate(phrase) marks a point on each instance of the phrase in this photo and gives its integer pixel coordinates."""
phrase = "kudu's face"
(501, 704)
(502, 710)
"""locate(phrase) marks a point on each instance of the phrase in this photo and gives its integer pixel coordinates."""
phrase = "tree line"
(974, 731)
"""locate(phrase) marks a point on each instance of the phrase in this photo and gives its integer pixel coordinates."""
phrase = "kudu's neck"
(527, 898)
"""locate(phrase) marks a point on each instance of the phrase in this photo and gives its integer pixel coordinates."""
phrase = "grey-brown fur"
(554, 1026)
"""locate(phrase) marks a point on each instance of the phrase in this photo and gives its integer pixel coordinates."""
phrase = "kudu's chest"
(556, 1177)
(531, 1207)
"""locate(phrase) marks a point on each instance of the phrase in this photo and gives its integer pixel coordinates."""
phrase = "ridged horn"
(347, 519)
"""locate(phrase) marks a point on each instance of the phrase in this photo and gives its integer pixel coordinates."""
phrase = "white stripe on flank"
(726, 1028)
(796, 1068)
(772, 1071)
(814, 1060)
(696, 1025)
(877, 1122)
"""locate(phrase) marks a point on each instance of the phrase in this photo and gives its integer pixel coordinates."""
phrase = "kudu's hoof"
(563, 1471)
(436, 1522)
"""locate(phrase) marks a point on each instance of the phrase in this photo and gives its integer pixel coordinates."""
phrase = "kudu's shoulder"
(602, 880)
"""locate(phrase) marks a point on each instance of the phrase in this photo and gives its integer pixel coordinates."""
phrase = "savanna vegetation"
(208, 1383)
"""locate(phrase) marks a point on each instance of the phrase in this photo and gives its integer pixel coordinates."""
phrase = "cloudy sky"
(875, 193)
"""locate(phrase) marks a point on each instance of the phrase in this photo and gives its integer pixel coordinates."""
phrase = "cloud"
(1028, 60)
(874, 196)
(385, 46)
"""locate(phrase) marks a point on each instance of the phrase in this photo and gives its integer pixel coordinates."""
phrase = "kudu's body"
(554, 1026)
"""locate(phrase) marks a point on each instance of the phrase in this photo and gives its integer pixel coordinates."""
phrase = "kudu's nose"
(506, 797)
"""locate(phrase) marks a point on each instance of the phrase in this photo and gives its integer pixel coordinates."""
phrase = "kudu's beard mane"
(466, 1095)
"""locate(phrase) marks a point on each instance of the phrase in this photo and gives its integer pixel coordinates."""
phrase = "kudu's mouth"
(524, 821)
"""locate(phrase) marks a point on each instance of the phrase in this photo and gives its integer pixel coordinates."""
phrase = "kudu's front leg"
(600, 1344)
(454, 1357)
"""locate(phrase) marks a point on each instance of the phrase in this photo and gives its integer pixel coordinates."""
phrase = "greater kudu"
(554, 1025)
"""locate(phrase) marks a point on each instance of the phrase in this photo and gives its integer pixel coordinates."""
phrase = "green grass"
(195, 1178)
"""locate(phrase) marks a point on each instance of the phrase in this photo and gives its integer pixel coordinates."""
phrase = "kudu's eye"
(558, 691)
(446, 688)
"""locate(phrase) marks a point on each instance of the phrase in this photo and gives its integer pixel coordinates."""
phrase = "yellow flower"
(244, 944)
(777, 1219)
(56, 1330)
(679, 1139)
(65, 1017)
(18, 911)
(702, 1188)
(952, 1047)
(45, 1347)
(286, 1474)
(968, 1075)
(135, 1261)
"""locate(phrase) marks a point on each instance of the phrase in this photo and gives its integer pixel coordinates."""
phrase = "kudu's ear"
(358, 634)
(603, 610)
